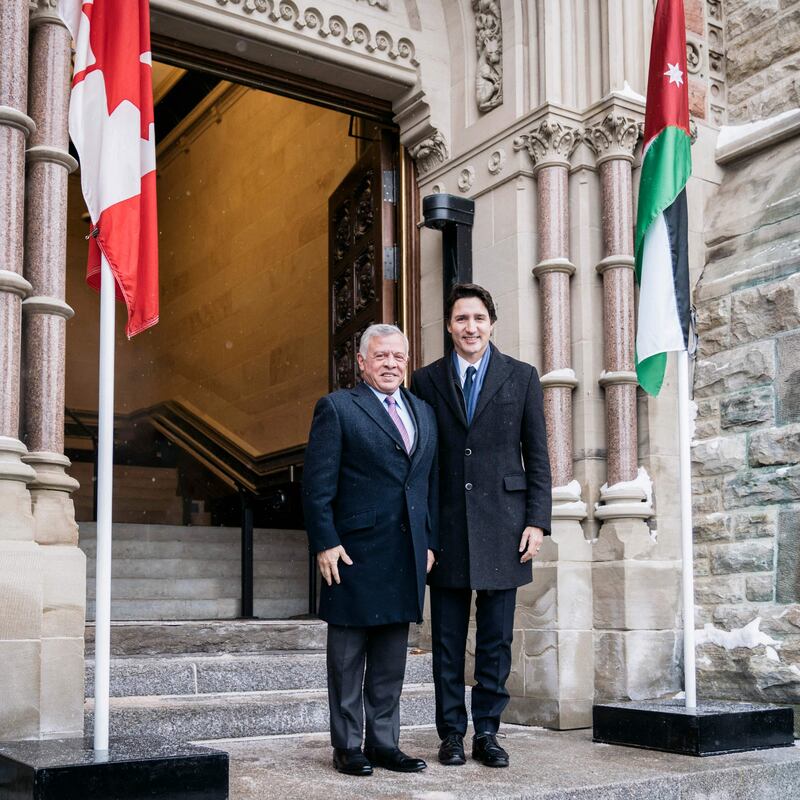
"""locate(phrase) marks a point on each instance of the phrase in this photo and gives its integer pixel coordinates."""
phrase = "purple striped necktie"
(392, 404)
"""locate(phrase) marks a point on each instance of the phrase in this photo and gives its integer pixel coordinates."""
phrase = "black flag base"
(713, 728)
(55, 769)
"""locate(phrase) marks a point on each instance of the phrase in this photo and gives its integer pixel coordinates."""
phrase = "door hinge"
(390, 258)
(389, 186)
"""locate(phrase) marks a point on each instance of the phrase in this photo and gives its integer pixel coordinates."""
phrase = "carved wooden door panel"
(362, 256)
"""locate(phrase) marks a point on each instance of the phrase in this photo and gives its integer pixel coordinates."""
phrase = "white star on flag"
(674, 73)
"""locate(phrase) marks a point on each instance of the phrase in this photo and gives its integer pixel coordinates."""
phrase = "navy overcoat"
(494, 474)
(363, 491)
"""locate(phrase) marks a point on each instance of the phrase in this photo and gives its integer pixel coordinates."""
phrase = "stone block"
(707, 421)
(711, 528)
(747, 409)
(20, 590)
(714, 313)
(540, 653)
(763, 487)
(516, 680)
(757, 555)
(621, 539)
(740, 368)
(61, 713)
(766, 310)
(637, 595)
(64, 591)
(575, 665)
(534, 711)
(714, 341)
(16, 519)
(702, 567)
(759, 50)
(636, 665)
(760, 588)
(787, 582)
(719, 589)
(755, 523)
(743, 17)
(719, 455)
(54, 516)
(787, 384)
(559, 597)
(777, 620)
(775, 446)
(20, 689)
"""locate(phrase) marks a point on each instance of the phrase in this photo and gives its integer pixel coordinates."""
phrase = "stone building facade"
(534, 111)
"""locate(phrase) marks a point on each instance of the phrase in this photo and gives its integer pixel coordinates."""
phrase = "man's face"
(385, 365)
(470, 327)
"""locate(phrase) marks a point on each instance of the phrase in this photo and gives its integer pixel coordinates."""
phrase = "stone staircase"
(162, 572)
(230, 679)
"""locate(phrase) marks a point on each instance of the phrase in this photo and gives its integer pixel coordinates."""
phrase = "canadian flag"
(111, 125)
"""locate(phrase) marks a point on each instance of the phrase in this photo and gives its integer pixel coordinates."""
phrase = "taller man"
(494, 509)
(369, 497)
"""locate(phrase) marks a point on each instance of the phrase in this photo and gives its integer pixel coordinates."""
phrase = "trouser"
(494, 620)
(366, 667)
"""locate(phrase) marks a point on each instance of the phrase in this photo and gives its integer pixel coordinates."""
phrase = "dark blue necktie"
(469, 387)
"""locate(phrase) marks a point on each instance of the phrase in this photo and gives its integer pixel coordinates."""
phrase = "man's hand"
(328, 563)
(530, 543)
(431, 560)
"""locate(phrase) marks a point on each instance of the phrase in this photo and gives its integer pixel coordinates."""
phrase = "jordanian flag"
(662, 260)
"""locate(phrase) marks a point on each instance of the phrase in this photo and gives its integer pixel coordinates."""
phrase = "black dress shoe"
(451, 750)
(394, 759)
(351, 761)
(486, 750)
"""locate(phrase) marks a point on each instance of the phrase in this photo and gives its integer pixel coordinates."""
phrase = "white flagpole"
(105, 469)
(687, 544)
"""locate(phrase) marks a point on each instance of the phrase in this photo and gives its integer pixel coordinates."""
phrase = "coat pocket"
(515, 483)
(355, 522)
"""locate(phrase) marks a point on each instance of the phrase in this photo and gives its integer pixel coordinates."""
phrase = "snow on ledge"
(749, 636)
(642, 482)
(737, 141)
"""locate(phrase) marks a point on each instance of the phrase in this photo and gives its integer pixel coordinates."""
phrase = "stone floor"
(545, 765)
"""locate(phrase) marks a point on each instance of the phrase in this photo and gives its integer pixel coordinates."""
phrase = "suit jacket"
(363, 491)
(494, 474)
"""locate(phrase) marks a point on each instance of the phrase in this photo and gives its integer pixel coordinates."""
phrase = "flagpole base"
(54, 769)
(713, 728)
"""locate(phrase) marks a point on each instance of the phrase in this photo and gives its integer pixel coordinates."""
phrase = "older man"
(370, 512)
(494, 511)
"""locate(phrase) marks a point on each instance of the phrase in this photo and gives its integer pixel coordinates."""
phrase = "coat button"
(397, 447)
(468, 452)
(403, 527)
(468, 487)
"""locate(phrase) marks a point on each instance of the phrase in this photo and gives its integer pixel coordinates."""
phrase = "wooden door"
(362, 256)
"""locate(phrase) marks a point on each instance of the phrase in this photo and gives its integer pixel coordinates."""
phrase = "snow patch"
(772, 654)
(749, 636)
(692, 419)
(732, 133)
(573, 487)
(627, 91)
(566, 372)
(642, 481)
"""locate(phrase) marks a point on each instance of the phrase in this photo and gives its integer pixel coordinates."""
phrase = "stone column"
(554, 612)
(20, 562)
(636, 595)
(44, 331)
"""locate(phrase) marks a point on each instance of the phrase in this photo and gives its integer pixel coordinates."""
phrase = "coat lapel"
(365, 398)
(420, 420)
(496, 373)
(445, 382)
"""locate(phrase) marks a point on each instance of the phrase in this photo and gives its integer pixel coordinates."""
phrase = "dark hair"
(462, 290)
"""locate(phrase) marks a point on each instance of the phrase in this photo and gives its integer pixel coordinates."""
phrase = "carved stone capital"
(429, 153)
(615, 136)
(45, 11)
(489, 44)
(550, 144)
(382, 4)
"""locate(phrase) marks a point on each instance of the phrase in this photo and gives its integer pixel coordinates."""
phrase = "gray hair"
(378, 330)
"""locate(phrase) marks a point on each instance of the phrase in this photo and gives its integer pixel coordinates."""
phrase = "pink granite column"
(46, 312)
(613, 141)
(15, 127)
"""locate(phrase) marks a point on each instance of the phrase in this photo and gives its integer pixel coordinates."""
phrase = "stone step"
(142, 589)
(280, 608)
(191, 533)
(198, 568)
(135, 676)
(238, 715)
(211, 636)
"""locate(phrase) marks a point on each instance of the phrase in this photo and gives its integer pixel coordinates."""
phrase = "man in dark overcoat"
(369, 497)
(494, 509)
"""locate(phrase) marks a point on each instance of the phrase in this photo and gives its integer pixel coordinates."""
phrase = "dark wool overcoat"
(494, 474)
(363, 491)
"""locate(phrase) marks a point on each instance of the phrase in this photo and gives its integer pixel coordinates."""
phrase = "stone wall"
(747, 438)
(763, 57)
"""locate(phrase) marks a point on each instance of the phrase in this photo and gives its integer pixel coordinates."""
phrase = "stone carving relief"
(497, 160)
(382, 4)
(694, 57)
(551, 140)
(429, 153)
(466, 178)
(614, 136)
(287, 13)
(489, 42)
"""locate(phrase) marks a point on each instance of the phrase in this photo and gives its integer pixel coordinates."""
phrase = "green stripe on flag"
(650, 373)
(666, 168)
